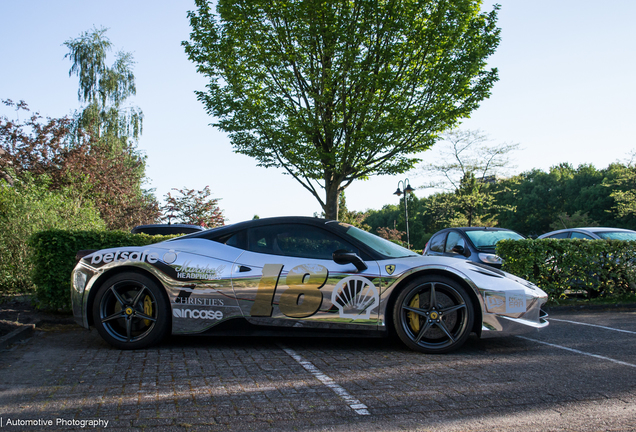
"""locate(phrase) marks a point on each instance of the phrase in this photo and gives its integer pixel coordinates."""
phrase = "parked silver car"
(477, 244)
(591, 233)
(298, 276)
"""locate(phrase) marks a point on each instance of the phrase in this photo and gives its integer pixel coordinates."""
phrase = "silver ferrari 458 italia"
(296, 276)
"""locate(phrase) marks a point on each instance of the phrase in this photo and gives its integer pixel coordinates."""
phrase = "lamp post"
(407, 189)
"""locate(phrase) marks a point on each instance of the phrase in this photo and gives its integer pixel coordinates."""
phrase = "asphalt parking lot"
(579, 374)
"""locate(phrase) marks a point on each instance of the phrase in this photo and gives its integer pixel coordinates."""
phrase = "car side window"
(562, 235)
(437, 243)
(454, 239)
(578, 235)
(237, 240)
(296, 240)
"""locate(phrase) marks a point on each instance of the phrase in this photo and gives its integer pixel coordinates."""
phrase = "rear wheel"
(130, 311)
(433, 314)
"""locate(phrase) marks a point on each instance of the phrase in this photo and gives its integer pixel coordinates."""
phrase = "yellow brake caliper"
(147, 308)
(414, 319)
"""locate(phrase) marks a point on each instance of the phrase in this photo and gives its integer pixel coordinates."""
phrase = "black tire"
(433, 327)
(131, 312)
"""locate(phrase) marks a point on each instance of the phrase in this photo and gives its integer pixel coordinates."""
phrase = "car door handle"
(243, 269)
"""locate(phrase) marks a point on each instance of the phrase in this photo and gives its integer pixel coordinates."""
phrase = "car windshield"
(484, 239)
(617, 235)
(378, 244)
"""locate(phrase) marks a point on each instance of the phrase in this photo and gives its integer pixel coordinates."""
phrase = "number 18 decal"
(303, 298)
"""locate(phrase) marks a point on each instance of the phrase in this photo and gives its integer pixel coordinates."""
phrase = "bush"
(54, 259)
(596, 267)
(29, 207)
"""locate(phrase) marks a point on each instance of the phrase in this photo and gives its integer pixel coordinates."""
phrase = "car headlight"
(490, 258)
(79, 281)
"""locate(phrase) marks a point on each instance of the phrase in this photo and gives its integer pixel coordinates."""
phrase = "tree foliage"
(111, 127)
(194, 207)
(104, 89)
(468, 162)
(351, 217)
(531, 203)
(392, 235)
(334, 91)
(110, 180)
(623, 187)
(464, 153)
(537, 198)
(30, 206)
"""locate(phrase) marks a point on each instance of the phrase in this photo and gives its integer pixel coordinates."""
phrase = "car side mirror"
(460, 250)
(343, 256)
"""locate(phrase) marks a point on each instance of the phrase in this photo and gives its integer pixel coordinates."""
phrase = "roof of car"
(476, 229)
(601, 229)
(219, 231)
(586, 229)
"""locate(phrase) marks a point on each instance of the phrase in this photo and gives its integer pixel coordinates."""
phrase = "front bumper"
(498, 325)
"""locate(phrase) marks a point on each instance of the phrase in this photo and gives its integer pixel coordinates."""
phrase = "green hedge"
(30, 207)
(596, 267)
(54, 258)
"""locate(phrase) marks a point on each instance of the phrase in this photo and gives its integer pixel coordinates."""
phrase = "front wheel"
(433, 314)
(130, 311)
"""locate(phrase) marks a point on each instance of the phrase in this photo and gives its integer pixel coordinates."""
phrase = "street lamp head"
(408, 189)
(398, 192)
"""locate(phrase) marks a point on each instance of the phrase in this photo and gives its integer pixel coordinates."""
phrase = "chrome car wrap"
(206, 285)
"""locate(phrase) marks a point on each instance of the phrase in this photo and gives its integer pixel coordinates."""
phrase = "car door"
(199, 285)
(436, 244)
(455, 242)
(443, 244)
(287, 277)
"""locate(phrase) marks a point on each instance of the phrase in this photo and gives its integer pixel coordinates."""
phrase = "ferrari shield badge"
(390, 268)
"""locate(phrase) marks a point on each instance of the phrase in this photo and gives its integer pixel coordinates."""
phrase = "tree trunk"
(331, 202)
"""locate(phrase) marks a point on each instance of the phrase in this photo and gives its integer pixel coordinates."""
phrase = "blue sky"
(566, 93)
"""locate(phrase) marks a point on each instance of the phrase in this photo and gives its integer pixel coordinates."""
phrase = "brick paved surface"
(191, 384)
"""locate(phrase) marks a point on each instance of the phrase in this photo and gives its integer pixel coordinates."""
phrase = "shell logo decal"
(170, 257)
(355, 297)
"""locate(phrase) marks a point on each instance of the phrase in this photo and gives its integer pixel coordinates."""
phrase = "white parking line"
(353, 403)
(592, 325)
(579, 352)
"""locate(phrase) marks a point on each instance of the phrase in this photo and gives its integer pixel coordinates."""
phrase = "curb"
(21, 333)
(593, 307)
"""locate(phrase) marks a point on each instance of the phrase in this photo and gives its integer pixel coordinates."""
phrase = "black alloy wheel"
(131, 312)
(433, 314)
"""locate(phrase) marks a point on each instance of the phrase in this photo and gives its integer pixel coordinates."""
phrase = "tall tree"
(111, 126)
(464, 153)
(334, 91)
(104, 89)
(469, 162)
